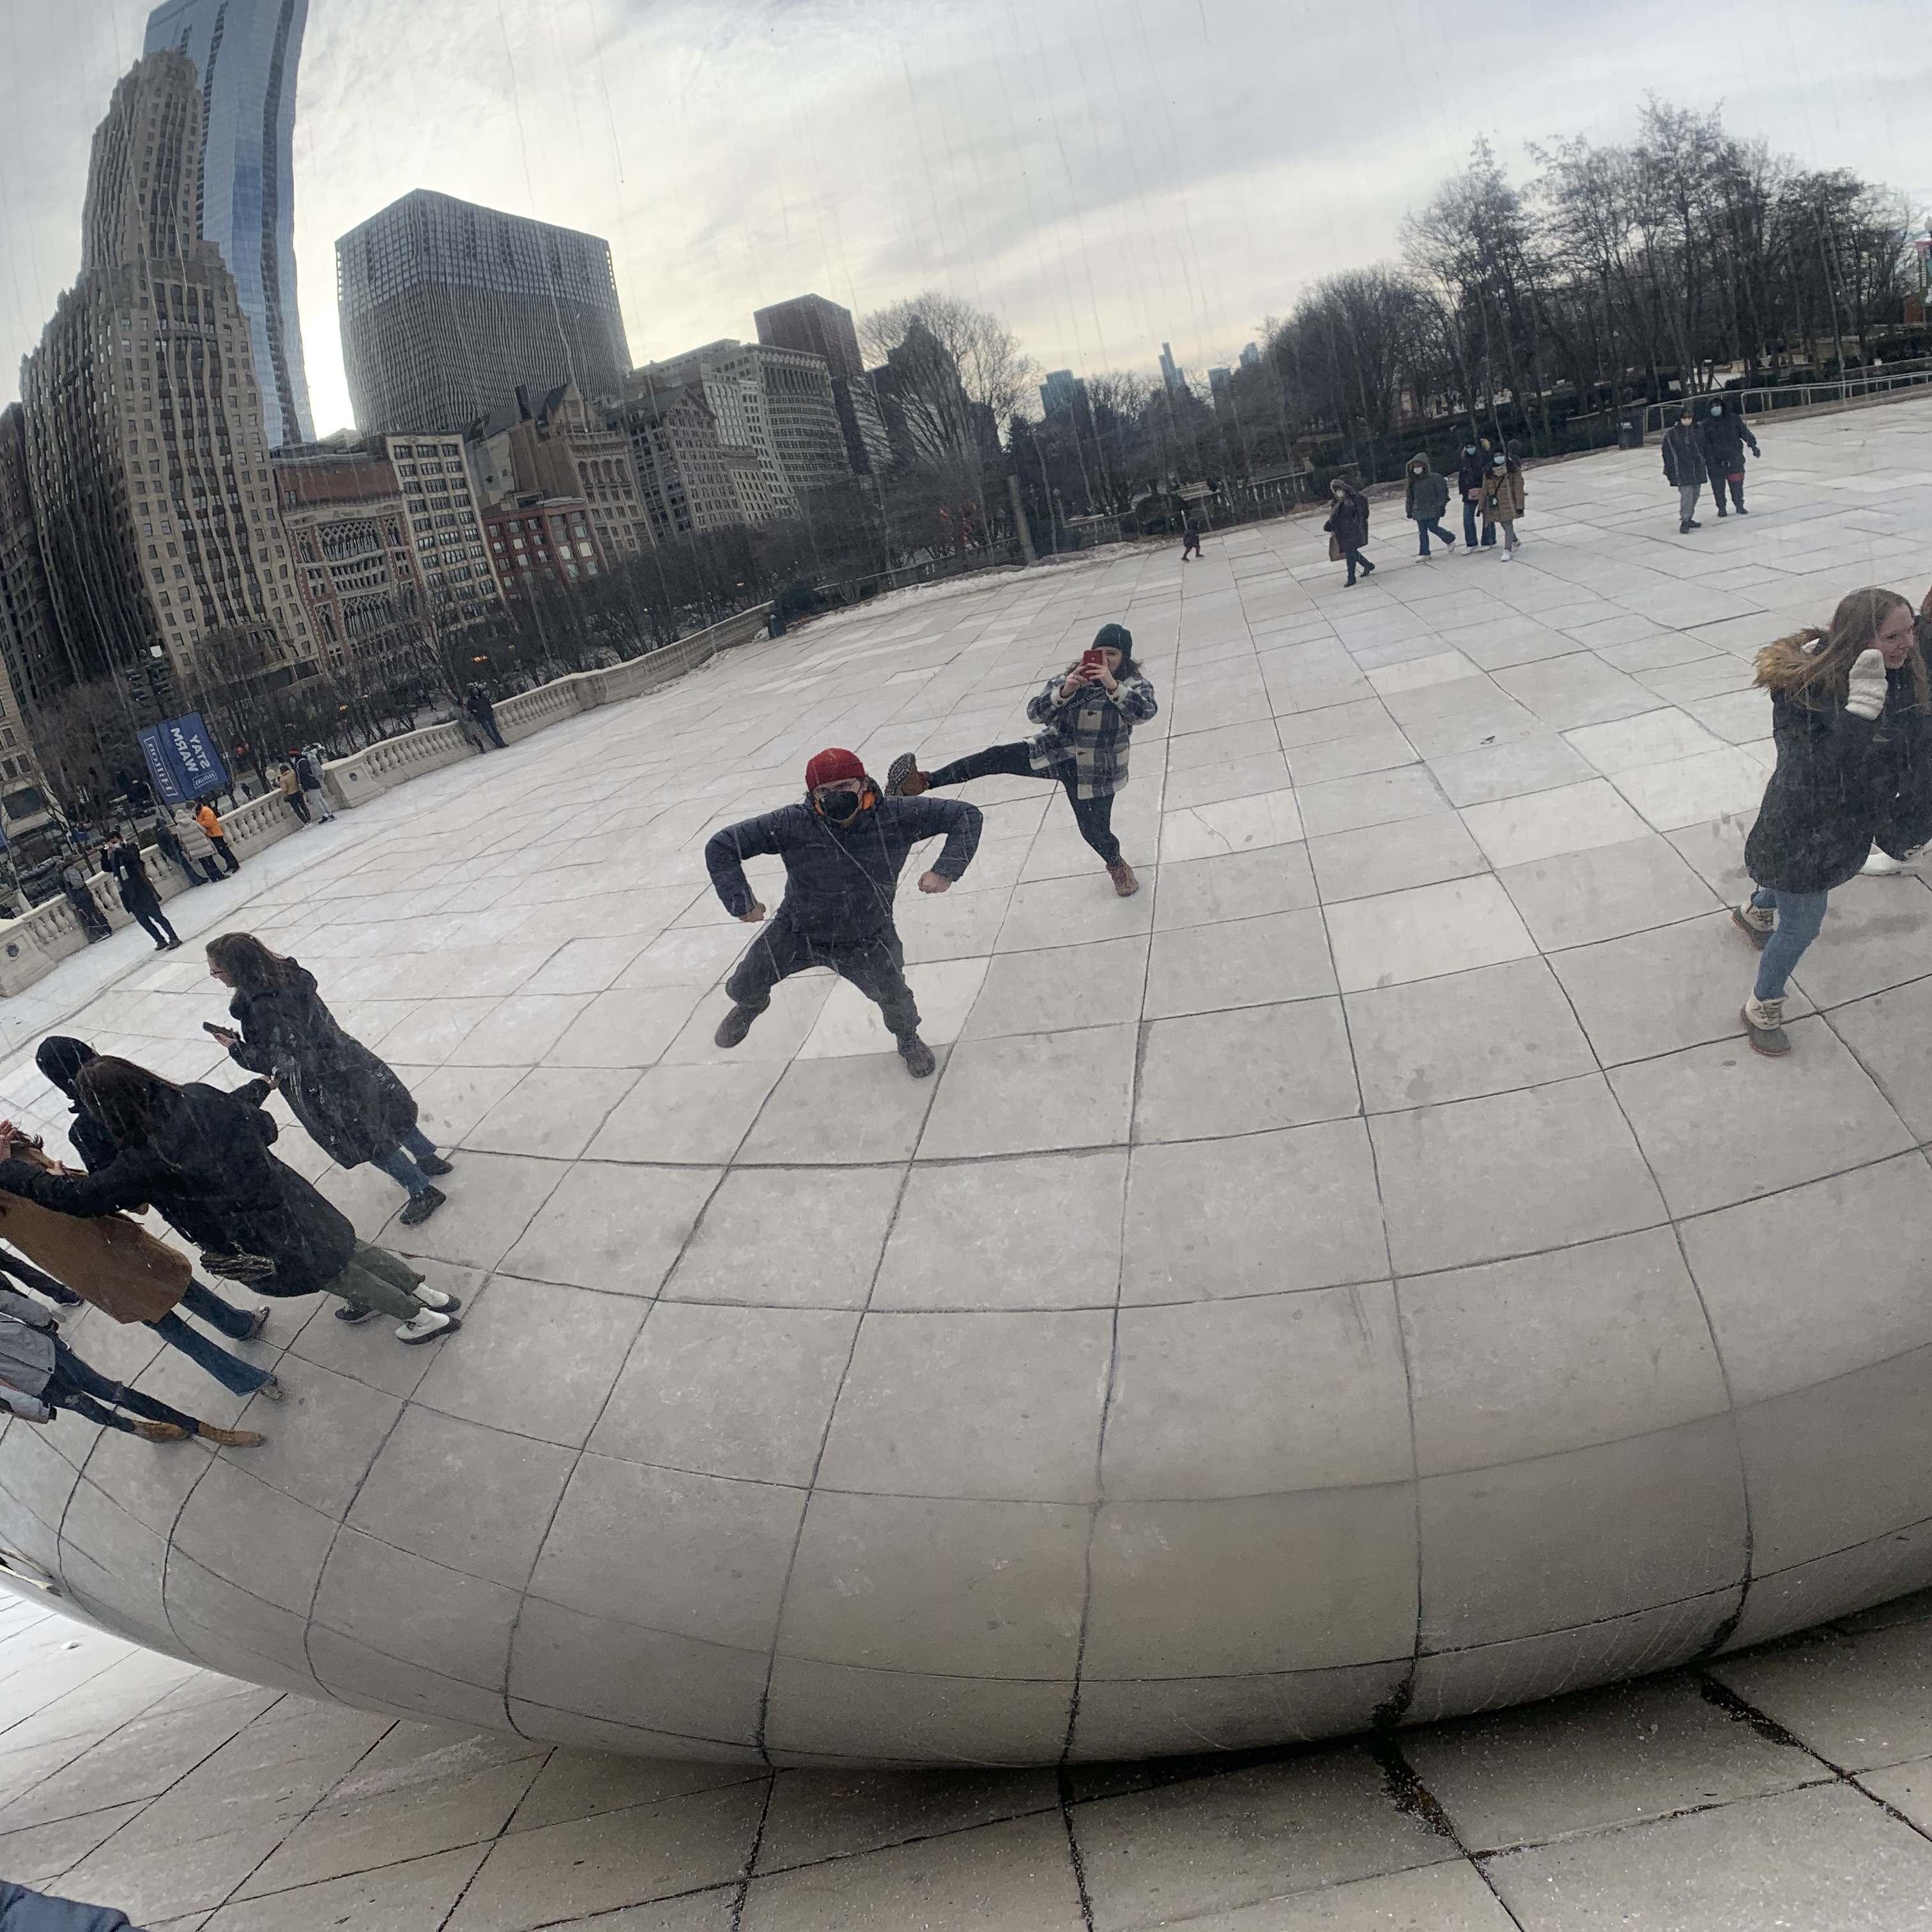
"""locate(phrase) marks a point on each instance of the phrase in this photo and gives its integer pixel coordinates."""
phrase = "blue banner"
(182, 759)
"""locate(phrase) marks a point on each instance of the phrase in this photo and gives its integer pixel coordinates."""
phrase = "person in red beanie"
(844, 847)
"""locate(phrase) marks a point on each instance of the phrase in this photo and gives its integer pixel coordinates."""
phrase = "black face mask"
(841, 807)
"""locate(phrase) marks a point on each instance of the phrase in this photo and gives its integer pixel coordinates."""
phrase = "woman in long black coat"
(350, 1102)
(122, 859)
(1851, 714)
(1348, 524)
(200, 1158)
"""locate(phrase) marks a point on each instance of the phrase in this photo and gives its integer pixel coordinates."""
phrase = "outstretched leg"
(904, 779)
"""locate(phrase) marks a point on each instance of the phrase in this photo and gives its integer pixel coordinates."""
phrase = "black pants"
(212, 872)
(297, 804)
(229, 862)
(1357, 560)
(91, 923)
(1469, 527)
(486, 723)
(87, 1392)
(876, 966)
(1191, 545)
(152, 920)
(1093, 816)
(1718, 480)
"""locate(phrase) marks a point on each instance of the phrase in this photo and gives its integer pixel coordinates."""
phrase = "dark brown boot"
(1122, 873)
(904, 779)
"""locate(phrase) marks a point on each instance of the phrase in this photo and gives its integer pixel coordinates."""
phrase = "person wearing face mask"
(1851, 715)
(844, 846)
(1502, 501)
(1684, 468)
(1425, 499)
(1470, 471)
(1726, 437)
(1348, 528)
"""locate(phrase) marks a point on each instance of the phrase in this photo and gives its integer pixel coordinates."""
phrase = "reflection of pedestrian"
(1502, 500)
(1683, 467)
(1470, 471)
(290, 788)
(1088, 713)
(200, 1158)
(93, 921)
(1348, 527)
(844, 846)
(40, 1375)
(348, 1099)
(1425, 499)
(167, 842)
(122, 859)
(1725, 436)
(211, 826)
(195, 848)
(1852, 719)
(479, 707)
(1190, 536)
(308, 775)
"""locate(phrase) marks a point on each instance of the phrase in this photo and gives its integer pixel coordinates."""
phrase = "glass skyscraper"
(246, 51)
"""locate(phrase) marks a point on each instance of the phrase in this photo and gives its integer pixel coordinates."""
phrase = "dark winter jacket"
(840, 880)
(1724, 439)
(123, 860)
(1349, 520)
(24, 1911)
(1427, 495)
(352, 1103)
(1841, 784)
(1470, 471)
(208, 1173)
(305, 773)
(60, 1059)
(1684, 455)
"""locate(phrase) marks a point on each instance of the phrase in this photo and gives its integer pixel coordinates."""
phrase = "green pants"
(377, 1279)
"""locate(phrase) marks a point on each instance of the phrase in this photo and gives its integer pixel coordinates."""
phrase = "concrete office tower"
(447, 307)
(810, 326)
(558, 446)
(1062, 393)
(1220, 385)
(147, 450)
(29, 632)
(681, 471)
(1173, 378)
(246, 51)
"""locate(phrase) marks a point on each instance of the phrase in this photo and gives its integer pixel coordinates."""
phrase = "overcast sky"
(1105, 173)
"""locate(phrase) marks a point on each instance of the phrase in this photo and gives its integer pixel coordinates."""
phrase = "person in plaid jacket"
(1088, 713)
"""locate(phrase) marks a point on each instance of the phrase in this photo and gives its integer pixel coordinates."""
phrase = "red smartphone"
(1092, 660)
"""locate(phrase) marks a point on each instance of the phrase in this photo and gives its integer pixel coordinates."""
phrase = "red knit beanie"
(829, 766)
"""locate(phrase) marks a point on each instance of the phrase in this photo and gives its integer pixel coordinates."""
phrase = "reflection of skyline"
(1178, 178)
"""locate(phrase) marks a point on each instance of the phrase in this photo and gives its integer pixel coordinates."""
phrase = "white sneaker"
(1881, 864)
(441, 1299)
(1508, 555)
(427, 1326)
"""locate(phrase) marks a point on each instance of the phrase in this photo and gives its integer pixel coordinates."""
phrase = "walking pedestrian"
(114, 1264)
(211, 826)
(195, 848)
(1190, 536)
(1684, 466)
(1502, 500)
(479, 707)
(1424, 501)
(40, 1375)
(1088, 713)
(351, 1102)
(308, 774)
(844, 847)
(290, 788)
(1852, 719)
(93, 925)
(1471, 470)
(200, 1158)
(122, 860)
(1348, 528)
(1726, 436)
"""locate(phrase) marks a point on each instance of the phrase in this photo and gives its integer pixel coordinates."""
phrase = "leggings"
(399, 1167)
(1094, 816)
(1799, 916)
(377, 1279)
(87, 1392)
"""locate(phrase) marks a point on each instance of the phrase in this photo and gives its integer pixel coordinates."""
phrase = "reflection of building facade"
(540, 544)
(439, 508)
(927, 414)
(246, 51)
(29, 638)
(810, 326)
(147, 450)
(562, 446)
(447, 306)
(1250, 357)
(1220, 384)
(1062, 393)
(1173, 379)
(682, 472)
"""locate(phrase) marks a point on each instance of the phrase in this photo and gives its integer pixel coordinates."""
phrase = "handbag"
(1334, 550)
(239, 1266)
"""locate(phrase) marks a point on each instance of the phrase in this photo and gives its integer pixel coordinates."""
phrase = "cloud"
(1108, 174)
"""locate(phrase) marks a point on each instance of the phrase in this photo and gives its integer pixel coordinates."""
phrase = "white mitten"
(1866, 699)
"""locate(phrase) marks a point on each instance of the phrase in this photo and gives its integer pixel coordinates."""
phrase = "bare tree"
(994, 371)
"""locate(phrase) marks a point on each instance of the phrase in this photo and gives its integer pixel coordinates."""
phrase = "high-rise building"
(815, 327)
(446, 525)
(1062, 393)
(246, 51)
(29, 634)
(926, 410)
(1220, 385)
(681, 465)
(561, 447)
(446, 306)
(1173, 380)
(735, 392)
(1250, 357)
(147, 452)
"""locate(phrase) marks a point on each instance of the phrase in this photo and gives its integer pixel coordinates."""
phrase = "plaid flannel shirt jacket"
(1085, 741)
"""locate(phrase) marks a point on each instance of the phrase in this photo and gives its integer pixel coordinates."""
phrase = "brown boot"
(904, 779)
(1122, 873)
(157, 1431)
(230, 1438)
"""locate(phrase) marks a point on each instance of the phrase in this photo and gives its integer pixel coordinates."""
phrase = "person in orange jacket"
(204, 817)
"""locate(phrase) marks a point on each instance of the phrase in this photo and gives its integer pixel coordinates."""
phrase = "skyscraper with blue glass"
(246, 51)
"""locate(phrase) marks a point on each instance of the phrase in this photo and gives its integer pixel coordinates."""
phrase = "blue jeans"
(399, 1167)
(1799, 916)
(238, 1377)
(1425, 528)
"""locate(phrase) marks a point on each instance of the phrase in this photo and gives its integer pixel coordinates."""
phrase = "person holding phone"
(1088, 713)
(351, 1102)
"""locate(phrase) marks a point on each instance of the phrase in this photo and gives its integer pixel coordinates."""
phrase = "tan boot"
(1122, 873)
(157, 1431)
(230, 1438)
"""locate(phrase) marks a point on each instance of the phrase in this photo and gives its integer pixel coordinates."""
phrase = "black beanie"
(61, 1059)
(1114, 637)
